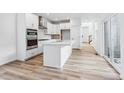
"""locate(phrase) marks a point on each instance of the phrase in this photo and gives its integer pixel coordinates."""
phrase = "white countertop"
(59, 42)
(40, 43)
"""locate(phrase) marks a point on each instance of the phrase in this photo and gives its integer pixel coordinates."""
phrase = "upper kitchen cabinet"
(26, 38)
(49, 28)
(65, 26)
(56, 29)
(31, 21)
(53, 28)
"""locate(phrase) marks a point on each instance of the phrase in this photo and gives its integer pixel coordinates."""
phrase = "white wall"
(99, 38)
(7, 36)
(121, 23)
(7, 30)
(90, 30)
(97, 32)
(21, 38)
(93, 28)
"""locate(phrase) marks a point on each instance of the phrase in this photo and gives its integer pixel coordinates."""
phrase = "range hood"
(42, 23)
(42, 27)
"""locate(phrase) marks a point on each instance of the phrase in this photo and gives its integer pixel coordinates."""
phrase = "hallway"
(84, 64)
(91, 65)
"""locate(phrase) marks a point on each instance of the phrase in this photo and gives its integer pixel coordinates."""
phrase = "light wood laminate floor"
(82, 65)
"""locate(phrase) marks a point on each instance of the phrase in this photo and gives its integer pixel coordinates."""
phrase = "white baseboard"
(7, 59)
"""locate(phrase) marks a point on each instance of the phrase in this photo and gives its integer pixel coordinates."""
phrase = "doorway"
(85, 34)
(65, 34)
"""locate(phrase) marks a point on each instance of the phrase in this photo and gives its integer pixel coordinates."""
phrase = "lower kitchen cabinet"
(40, 49)
(33, 52)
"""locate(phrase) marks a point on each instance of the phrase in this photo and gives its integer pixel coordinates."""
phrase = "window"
(115, 40)
(112, 41)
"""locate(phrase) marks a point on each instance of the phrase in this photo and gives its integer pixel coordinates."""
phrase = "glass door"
(115, 41)
(107, 51)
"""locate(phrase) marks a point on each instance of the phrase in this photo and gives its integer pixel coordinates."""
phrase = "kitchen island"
(57, 53)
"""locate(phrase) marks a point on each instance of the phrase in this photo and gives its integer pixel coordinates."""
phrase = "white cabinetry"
(49, 28)
(40, 47)
(61, 54)
(31, 53)
(44, 22)
(56, 29)
(25, 21)
(53, 28)
(65, 26)
(31, 21)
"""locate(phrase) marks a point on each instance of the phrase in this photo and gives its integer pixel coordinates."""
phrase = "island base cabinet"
(65, 54)
(56, 56)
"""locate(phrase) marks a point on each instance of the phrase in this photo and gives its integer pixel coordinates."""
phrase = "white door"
(85, 34)
(75, 35)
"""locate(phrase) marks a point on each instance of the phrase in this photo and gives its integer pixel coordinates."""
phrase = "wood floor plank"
(83, 64)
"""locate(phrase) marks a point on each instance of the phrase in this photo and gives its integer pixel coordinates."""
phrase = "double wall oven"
(32, 39)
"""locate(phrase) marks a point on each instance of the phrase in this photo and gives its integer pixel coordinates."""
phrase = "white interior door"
(75, 35)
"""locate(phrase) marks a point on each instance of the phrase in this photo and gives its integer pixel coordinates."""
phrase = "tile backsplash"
(41, 35)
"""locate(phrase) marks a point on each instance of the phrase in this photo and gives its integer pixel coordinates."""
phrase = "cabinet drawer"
(31, 53)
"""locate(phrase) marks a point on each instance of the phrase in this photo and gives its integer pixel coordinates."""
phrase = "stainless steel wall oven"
(32, 39)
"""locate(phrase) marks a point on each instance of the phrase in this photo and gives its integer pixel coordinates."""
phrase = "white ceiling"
(82, 16)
